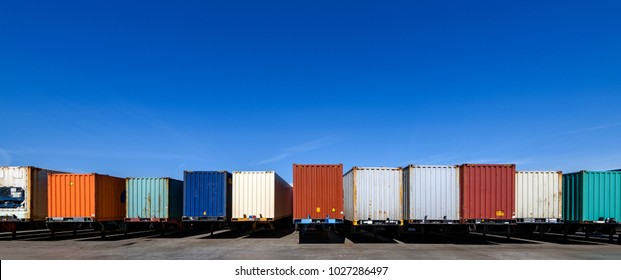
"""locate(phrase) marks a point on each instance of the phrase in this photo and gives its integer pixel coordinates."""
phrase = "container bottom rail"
(311, 221)
(204, 219)
(538, 220)
(75, 223)
(451, 227)
(374, 226)
(323, 225)
(490, 221)
(426, 221)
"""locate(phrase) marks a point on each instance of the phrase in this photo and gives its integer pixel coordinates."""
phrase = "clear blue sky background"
(153, 88)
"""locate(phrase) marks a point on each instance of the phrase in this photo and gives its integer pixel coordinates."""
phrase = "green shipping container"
(591, 196)
(154, 198)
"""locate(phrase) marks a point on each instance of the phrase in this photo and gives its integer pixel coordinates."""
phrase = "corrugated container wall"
(23, 193)
(318, 191)
(373, 193)
(262, 194)
(538, 195)
(591, 195)
(101, 197)
(487, 191)
(431, 193)
(207, 194)
(154, 198)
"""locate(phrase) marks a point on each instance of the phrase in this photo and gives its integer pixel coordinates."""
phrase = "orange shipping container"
(100, 197)
(317, 193)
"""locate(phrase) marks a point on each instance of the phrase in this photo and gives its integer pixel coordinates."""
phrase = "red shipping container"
(487, 192)
(317, 192)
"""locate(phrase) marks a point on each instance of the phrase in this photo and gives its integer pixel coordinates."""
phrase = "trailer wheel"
(95, 226)
(13, 227)
(51, 228)
(103, 231)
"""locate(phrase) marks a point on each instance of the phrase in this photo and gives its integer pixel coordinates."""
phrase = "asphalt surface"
(285, 244)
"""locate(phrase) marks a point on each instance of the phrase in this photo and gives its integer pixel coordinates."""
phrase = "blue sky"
(154, 88)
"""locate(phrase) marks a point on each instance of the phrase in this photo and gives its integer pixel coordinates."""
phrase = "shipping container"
(261, 196)
(431, 193)
(23, 193)
(85, 198)
(153, 199)
(207, 196)
(592, 196)
(487, 192)
(373, 196)
(538, 196)
(317, 193)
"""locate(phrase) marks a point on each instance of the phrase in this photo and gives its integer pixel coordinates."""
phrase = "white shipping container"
(432, 193)
(373, 194)
(261, 194)
(538, 195)
(23, 193)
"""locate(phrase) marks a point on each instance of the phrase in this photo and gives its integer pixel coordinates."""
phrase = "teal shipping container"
(591, 196)
(154, 199)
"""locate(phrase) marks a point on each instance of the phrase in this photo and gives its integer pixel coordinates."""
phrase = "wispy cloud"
(481, 160)
(75, 170)
(137, 155)
(110, 154)
(304, 147)
(5, 156)
(592, 128)
(524, 161)
(443, 158)
(276, 158)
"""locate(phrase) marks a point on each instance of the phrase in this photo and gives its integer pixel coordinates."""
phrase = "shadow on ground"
(320, 237)
(558, 239)
(365, 237)
(266, 233)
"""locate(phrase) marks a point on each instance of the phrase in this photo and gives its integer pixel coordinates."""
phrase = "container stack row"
(66, 200)
(322, 195)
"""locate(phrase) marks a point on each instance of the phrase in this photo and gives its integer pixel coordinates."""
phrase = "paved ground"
(285, 244)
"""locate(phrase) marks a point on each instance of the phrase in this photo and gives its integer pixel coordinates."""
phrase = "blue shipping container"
(207, 195)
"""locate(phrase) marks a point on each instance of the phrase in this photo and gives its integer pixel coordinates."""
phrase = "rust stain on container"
(96, 196)
(487, 191)
(317, 191)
